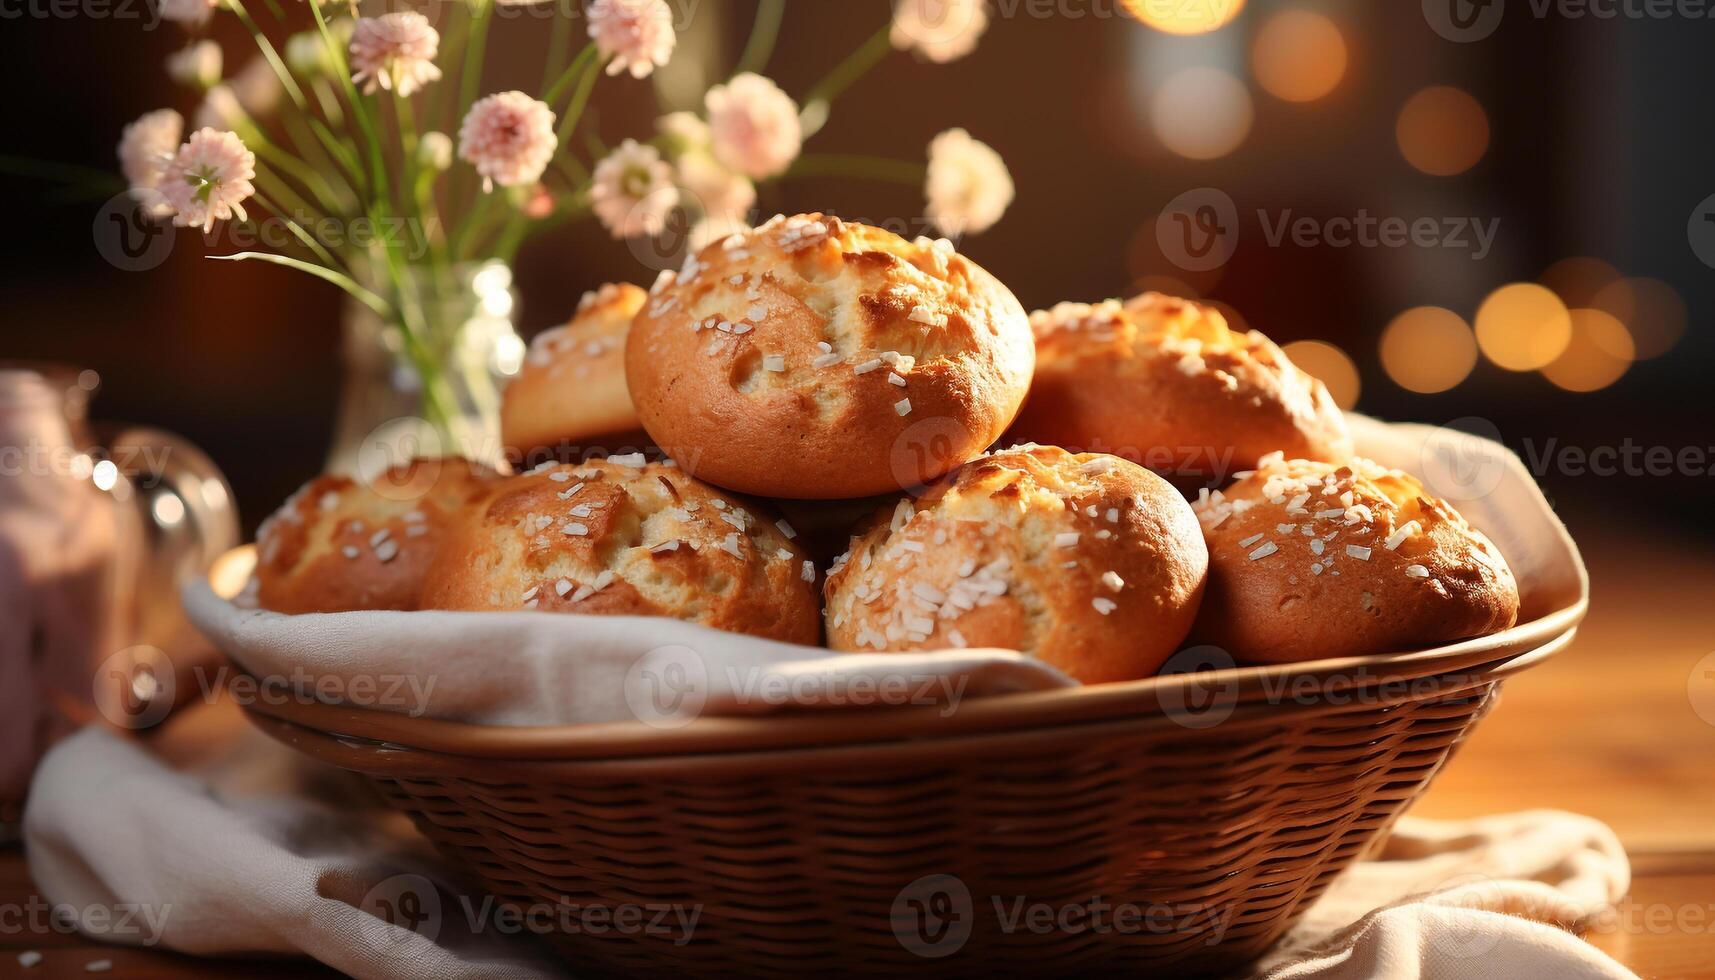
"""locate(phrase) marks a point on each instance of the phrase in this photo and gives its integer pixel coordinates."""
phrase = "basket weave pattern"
(1227, 833)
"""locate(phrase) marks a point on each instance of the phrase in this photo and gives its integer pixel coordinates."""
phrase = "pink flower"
(145, 148)
(636, 34)
(395, 51)
(939, 30)
(208, 179)
(753, 126)
(632, 191)
(192, 12)
(509, 138)
(968, 186)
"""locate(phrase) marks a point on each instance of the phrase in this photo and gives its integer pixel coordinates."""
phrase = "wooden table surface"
(1620, 726)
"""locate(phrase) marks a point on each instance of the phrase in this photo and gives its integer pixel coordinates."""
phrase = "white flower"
(192, 12)
(197, 66)
(509, 138)
(632, 190)
(968, 185)
(939, 30)
(636, 34)
(395, 51)
(257, 88)
(208, 179)
(435, 150)
(753, 126)
(145, 148)
(715, 190)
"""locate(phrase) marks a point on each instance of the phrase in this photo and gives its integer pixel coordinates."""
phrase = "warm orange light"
(1185, 16)
(1201, 113)
(1600, 352)
(1328, 364)
(1442, 131)
(1651, 310)
(1577, 280)
(1299, 56)
(1523, 326)
(1428, 349)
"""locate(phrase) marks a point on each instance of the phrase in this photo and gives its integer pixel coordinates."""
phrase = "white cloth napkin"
(263, 851)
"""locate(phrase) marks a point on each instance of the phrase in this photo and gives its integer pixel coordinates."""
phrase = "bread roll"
(626, 537)
(1087, 562)
(820, 358)
(571, 391)
(1310, 560)
(1166, 383)
(339, 544)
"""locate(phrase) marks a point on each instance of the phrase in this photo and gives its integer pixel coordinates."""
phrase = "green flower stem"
(470, 76)
(764, 31)
(859, 166)
(298, 231)
(345, 282)
(579, 64)
(856, 65)
(559, 39)
(377, 165)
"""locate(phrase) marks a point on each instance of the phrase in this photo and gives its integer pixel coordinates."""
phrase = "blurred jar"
(92, 543)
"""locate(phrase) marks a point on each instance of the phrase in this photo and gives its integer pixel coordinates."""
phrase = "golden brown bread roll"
(1311, 560)
(820, 358)
(626, 537)
(338, 544)
(1166, 383)
(1087, 562)
(571, 389)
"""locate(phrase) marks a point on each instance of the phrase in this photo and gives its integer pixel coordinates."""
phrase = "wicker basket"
(1214, 806)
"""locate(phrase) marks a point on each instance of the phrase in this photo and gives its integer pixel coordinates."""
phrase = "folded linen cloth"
(263, 851)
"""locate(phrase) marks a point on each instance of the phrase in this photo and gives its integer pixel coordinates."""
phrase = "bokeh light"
(1185, 16)
(1577, 280)
(1653, 313)
(1599, 353)
(1201, 113)
(1299, 56)
(1442, 131)
(1428, 349)
(1523, 326)
(1328, 364)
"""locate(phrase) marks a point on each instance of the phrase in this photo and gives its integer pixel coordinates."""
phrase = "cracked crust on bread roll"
(627, 537)
(1310, 560)
(1166, 383)
(571, 388)
(818, 358)
(1087, 562)
(339, 544)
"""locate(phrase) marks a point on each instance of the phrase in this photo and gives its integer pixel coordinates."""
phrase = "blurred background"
(1555, 147)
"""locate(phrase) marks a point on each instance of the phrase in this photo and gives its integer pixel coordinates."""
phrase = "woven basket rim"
(1159, 700)
(330, 734)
